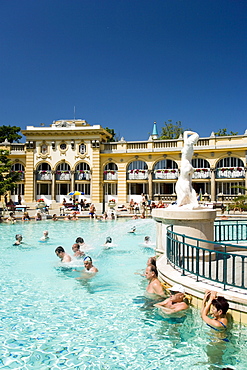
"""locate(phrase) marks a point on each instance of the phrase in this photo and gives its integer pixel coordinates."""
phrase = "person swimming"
(108, 243)
(132, 230)
(18, 238)
(45, 236)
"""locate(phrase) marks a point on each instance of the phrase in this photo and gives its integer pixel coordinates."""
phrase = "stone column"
(72, 182)
(29, 176)
(53, 185)
(213, 193)
(150, 183)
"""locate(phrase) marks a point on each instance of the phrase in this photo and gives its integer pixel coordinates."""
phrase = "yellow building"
(72, 155)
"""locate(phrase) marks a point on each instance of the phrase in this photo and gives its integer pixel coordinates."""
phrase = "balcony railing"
(166, 174)
(221, 263)
(201, 173)
(136, 146)
(17, 148)
(110, 175)
(43, 175)
(137, 175)
(230, 173)
(63, 175)
(82, 175)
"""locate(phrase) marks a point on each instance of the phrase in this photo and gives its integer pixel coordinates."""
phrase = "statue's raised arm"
(186, 195)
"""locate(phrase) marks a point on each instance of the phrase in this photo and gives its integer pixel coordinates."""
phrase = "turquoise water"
(50, 320)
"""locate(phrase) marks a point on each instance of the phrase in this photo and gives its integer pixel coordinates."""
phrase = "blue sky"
(125, 63)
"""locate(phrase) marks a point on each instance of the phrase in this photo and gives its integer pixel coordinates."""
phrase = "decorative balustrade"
(230, 173)
(110, 175)
(63, 175)
(43, 175)
(82, 175)
(165, 174)
(136, 146)
(164, 144)
(17, 148)
(137, 175)
(201, 173)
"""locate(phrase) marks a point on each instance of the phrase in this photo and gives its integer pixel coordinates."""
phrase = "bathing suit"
(216, 329)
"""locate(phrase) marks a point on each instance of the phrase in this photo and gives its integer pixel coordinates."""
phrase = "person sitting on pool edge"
(175, 303)
(218, 306)
(64, 257)
(154, 286)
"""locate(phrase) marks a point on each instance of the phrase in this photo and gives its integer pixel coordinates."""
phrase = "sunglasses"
(173, 293)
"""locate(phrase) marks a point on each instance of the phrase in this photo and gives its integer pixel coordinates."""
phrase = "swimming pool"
(50, 320)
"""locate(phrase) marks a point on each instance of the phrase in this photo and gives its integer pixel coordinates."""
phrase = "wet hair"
(18, 236)
(220, 303)
(152, 261)
(76, 245)
(87, 258)
(59, 249)
(79, 240)
(147, 238)
(153, 269)
(108, 239)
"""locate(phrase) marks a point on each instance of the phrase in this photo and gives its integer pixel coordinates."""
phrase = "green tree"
(113, 133)
(171, 130)
(11, 133)
(8, 178)
(223, 132)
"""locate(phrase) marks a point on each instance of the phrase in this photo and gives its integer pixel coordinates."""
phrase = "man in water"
(76, 250)
(81, 243)
(89, 271)
(175, 303)
(60, 252)
(45, 236)
(154, 285)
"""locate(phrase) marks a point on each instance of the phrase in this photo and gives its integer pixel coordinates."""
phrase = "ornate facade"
(72, 155)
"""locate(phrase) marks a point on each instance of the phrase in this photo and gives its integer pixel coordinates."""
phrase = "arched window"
(18, 167)
(44, 167)
(82, 148)
(165, 164)
(137, 170)
(63, 172)
(82, 171)
(110, 171)
(137, 165)
(165, 169)
(44, 172)
(230, 162)
(200, 163)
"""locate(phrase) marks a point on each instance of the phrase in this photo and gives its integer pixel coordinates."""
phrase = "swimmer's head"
(108, 239)
(18, 237)
(45, 233)
(59, 250)
(79, 240)
(147, 238)
(75, 247)
(88, 262)
(221, 304)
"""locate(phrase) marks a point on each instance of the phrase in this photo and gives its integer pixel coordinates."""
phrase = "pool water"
(50, 320)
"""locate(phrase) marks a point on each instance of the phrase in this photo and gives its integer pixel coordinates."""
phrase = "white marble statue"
(186, 195)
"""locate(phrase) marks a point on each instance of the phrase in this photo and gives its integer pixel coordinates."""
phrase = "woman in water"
(218, 306)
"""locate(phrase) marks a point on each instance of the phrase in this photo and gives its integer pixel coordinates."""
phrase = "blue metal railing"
(216, 261)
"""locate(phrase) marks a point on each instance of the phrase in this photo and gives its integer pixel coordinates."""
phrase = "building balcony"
(21, 175)
(230, 173)
(63, 175)
(137, 175)
(201, 173)
(83, 175)
(110, 175)
(166, 174)
(44, 175)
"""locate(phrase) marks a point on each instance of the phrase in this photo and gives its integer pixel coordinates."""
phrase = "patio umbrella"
(73, 193)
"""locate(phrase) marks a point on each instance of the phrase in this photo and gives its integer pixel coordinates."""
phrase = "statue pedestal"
(197, 223)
